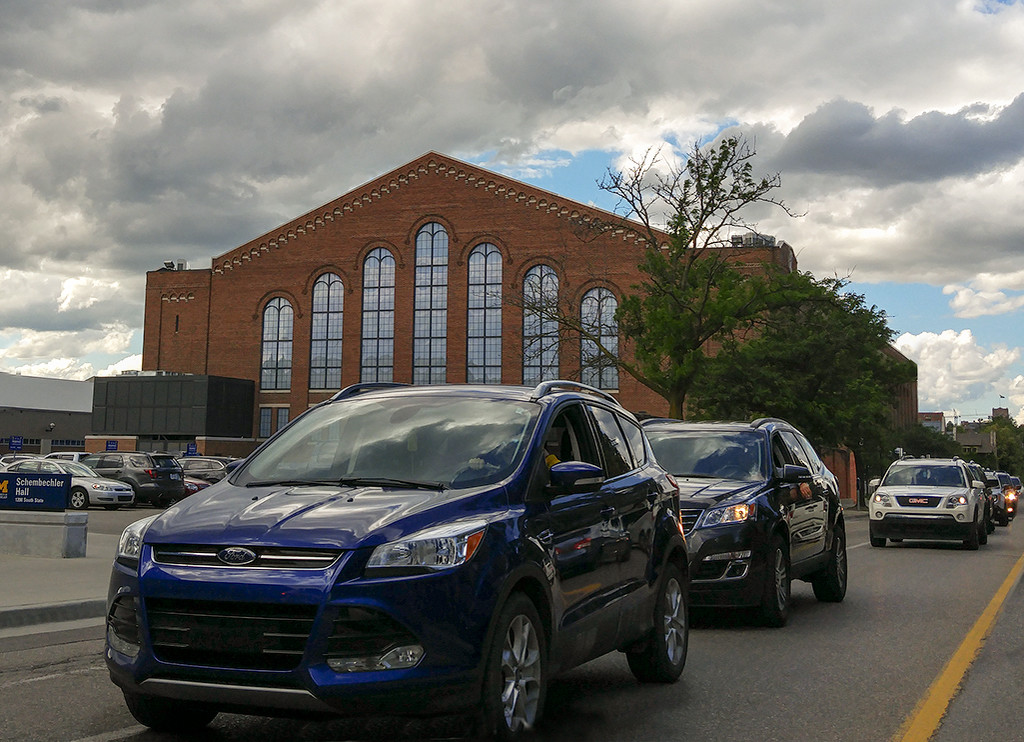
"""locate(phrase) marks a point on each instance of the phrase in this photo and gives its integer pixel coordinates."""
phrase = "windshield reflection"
(434, 440)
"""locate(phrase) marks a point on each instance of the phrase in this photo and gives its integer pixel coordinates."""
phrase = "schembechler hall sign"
(34, 491)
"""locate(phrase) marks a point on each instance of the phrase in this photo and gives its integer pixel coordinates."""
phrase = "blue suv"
(437, 550)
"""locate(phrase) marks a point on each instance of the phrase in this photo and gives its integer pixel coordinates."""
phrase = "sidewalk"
(38, 590)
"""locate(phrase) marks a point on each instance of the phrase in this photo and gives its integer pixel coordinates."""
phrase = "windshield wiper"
(390, 482)
(292, 483)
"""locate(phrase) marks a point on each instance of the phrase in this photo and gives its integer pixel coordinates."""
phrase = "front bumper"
(218, 668)
(920, 526)
(728, 566)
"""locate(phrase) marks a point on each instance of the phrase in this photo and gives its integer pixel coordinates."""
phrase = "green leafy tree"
(1009, 456)
(823, 365)
(693, 294)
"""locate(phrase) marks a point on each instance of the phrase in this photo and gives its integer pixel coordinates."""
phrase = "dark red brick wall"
(219, 322)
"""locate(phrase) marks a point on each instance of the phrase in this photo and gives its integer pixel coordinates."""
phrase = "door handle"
(608, 513)
(546, 537)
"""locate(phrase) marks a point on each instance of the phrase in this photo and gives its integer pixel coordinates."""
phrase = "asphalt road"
(850, 671)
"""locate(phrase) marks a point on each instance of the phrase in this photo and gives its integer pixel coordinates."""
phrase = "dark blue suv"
(414, 550)
(759, 508)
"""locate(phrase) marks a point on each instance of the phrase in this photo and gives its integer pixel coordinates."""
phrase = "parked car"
(210, 468)
(9, 458)
(193, 485)
(928, 499)
(407, 550)
(759, 508)
(67, 455)
(87, 487)
(155, 478)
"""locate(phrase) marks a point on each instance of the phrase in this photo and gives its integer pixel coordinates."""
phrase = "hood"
(705, 492)
(308, 516)
(901, 490)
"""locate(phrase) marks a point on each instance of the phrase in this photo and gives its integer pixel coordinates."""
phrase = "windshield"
(429, 439)
(925, 476)
(78, 470)
(707, 453)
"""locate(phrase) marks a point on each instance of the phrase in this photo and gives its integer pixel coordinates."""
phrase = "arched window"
(276, 366)
(540, 329)
(325, 338)
(483, 319)
(430, 310)
(597, 315)
(378, 346)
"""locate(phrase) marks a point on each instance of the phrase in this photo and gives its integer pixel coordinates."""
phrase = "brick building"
(419, 275)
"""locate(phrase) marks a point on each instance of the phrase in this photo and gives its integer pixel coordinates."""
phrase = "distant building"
(1000, 412)
(933, 420)
(974, 440)
(39, 415)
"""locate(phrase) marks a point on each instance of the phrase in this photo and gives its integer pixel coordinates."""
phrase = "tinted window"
(635, 439)
(796, 451)
(710, 453)
(613, 443)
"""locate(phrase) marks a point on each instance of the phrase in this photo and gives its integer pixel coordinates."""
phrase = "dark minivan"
(156, 478)
(404, 550)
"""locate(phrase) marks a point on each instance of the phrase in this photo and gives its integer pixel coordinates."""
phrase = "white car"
(87, 487)
(928, 499)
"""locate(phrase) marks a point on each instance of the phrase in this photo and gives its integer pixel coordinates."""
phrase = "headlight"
(880, 498)
(956, 501)
(434, 549)
(130, 546)
(731, 514)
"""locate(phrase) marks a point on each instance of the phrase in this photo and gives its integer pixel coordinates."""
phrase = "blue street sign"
(37, 491)
(16, 442)
(111, 445)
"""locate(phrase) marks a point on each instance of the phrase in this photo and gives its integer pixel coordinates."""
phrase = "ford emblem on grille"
(236, 555)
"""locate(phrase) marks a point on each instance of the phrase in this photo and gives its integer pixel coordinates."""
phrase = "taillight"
(150, 473)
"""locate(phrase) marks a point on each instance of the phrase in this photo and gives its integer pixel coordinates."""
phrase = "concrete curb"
(30, 615)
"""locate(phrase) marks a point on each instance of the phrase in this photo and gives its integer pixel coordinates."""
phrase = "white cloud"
(952, 367)
(986, 294)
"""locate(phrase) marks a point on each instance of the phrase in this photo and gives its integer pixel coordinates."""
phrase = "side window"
(812, 455)
(569, 438)
(613, 443)
(780, 453)
(797, 453)
(635, 439)
(47, 467)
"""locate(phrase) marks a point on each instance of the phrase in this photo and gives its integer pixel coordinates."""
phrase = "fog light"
(120, 645)
(398, 658)
(960, 516)
(878, 514)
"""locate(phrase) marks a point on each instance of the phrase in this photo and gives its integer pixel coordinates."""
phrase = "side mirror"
(874, 484)
(975, 484)
(795, 474)
(570, 476)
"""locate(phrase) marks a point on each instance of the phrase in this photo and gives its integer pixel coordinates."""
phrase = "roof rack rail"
(764, 420)
(363, 387)
(547, 387)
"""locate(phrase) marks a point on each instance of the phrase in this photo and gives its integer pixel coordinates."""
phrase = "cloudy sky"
(136, 131)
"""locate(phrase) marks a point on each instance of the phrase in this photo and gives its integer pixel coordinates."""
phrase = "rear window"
(165, 462)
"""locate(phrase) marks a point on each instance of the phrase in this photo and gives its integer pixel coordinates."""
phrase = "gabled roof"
(431, 164)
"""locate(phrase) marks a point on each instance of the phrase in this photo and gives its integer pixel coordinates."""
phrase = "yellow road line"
(924, 721)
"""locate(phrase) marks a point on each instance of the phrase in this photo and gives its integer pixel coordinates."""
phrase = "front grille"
(248, 636)
(689, 519)
(363, 632)
(919, 501)
(266, 556)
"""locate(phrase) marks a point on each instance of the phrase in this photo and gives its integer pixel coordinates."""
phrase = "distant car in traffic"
(67, 455)
(759, 508)
(87, 487)
(928, 499)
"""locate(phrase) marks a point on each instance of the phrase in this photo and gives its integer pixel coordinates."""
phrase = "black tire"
(78, 499)
(983, 532)
(515, 676)
(775, 597)
(662, 657)
(830, 584)
(972, 542)
(167, 715)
